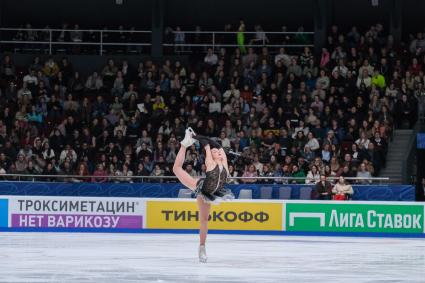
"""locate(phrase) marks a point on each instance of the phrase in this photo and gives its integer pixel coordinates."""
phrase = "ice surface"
(66, 257)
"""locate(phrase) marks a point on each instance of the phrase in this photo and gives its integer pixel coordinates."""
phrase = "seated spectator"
(312, 142)
(342, 190)
(364, 79)
(323, 188)
(210, 59)
(326, 153)
(250, 172)
(50, 171)
(94, 82)
(308, 154)
(99, 174)
(363, 141)
(327, 171)
(125, 172)
(51, 68)
(313, 175)
(267, 172)
(378, 80)
(81, 172)
(365, 174)
(298, 174)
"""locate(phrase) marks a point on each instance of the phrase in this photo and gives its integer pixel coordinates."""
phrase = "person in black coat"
(324, 189)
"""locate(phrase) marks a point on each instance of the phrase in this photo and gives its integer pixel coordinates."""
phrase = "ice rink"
(66, 257)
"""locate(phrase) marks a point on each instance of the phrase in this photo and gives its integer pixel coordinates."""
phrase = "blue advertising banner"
(170, 190)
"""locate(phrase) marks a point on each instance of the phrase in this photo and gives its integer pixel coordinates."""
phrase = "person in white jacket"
(313, 176)
(343, 188)
(312, 142)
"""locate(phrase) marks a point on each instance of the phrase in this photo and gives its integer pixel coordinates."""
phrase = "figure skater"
(207, 190)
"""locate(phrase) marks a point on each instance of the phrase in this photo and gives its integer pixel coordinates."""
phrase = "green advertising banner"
(338, 217)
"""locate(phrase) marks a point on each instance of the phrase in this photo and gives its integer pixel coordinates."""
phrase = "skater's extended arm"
(225, 164)
(209, 161)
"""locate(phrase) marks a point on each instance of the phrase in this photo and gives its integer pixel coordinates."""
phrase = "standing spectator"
(179, 38)
(240, 37)
(7, 69)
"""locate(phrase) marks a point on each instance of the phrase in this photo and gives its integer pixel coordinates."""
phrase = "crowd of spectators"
(287, 115)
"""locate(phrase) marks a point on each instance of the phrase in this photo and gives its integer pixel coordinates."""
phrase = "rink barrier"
(171, 190)
(253, 217)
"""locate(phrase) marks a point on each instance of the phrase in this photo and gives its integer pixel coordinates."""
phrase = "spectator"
(313, 176)
(179, 39)
(211, 59)
(94, 82)
(99, 174)
(323, 188)
(261, 107)
(363, 174)
(298, 174)
(81, 172)
(378, 80)
(342, 190)
(250, 173)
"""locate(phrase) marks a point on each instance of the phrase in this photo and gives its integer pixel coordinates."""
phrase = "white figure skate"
(202, 254)
(188, 138)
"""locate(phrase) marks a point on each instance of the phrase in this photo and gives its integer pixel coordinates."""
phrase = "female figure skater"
(206, 190)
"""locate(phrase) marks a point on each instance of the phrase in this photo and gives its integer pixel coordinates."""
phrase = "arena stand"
(291, 115)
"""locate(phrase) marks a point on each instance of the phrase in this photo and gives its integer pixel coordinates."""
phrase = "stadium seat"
(305, 193)
(245, 194)
(285, 192)
(185, 193)
(266, 192)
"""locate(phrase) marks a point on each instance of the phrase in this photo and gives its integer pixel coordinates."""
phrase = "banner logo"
(387, 218)
(225, 216)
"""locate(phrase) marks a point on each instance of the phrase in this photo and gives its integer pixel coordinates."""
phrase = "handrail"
(174, 177)
(245, 32)
(76, 43)
(260, 42)
(82, 30)
(207, 42)
(235, 45)
(100, 41)
(149, 31)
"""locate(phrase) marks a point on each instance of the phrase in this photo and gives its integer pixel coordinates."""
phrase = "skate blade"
(203, 260)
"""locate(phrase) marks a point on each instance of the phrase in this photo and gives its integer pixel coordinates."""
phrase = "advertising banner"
(4, 213)
(352, 217)
(75, 212)
(235, 215)
(109, 214)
